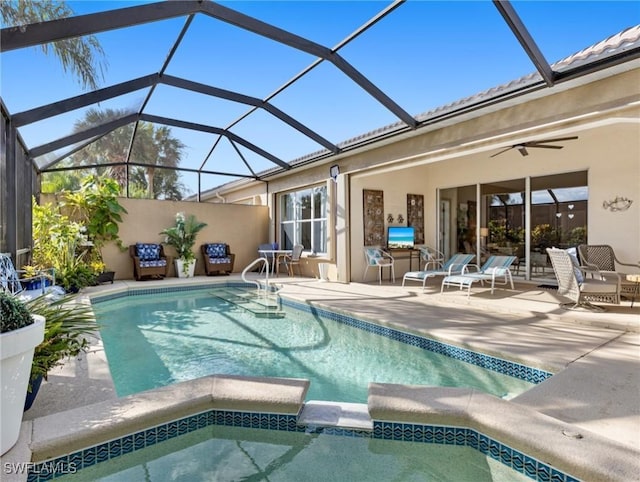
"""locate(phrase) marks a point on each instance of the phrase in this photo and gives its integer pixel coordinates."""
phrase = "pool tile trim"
(505, 367)
(499, 365)
(382, 430)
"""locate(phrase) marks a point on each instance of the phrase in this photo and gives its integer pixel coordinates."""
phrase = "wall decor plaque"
(415, 216)
(373, 217)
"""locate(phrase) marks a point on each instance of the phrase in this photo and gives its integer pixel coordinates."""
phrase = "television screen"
(400, 237)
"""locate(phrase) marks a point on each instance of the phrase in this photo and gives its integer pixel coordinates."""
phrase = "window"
(303, 217)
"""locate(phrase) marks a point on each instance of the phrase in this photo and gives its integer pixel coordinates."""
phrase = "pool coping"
(398, 412)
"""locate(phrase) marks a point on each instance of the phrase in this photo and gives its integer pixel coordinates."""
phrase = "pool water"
(221, 453)
(157, 340)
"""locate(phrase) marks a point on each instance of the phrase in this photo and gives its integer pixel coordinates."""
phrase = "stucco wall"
(609, 153)
(243, 227)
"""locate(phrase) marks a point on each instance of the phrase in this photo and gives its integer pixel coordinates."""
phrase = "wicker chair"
(601, 258)
(218, 258)
(149, 261)
(573, 284)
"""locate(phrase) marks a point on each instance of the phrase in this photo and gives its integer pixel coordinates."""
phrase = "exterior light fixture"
(334, 171)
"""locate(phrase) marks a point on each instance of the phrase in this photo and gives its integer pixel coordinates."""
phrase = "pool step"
(259, 304)
(319, 413)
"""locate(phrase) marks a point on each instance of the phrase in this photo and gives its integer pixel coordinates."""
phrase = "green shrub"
(68, 324)
(13, 313)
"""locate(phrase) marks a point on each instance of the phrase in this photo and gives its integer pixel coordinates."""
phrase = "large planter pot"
(180, 268)
(31, 395)
(106, 277)
(16, 357)
(35, 284)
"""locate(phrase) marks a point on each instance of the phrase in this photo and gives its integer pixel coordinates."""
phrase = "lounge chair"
(581, 290)
(455, 265)
(376, 257)
(602, 259)
(494, 268)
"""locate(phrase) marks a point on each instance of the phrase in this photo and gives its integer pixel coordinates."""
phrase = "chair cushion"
(224, 260)
(373, 255)
(216, 250)
(462, 280)
(598, 286)
(147, 251)
(576, 265)
(153, 263)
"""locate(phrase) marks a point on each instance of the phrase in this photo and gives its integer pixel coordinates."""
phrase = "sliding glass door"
(558, 216)
(503, 227)
(518, 217)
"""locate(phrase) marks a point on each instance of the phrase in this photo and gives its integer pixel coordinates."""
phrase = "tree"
(82, 56)
(153, 146)
(54, 182)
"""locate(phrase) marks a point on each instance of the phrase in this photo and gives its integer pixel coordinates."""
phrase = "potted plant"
(32, 278)
(182, 236)
(68, 325)
(20, 333)
(75, 276)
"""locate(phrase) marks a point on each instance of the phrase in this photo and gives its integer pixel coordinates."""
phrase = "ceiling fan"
(544, 143)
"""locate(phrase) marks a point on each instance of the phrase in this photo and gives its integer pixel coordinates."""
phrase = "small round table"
(634, 278)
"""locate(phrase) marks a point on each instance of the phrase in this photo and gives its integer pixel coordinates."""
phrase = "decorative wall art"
(415, 215)
(618, 204)
(373, 217)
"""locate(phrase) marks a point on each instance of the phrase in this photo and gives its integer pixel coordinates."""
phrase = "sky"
(423, 55)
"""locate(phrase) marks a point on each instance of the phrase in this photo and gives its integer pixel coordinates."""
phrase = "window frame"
(292, 222)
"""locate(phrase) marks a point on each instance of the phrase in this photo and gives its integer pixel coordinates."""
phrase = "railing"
(251, 265)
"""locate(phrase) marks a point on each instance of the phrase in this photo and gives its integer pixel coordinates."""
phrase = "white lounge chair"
(573, 284)
(456, 264)
(494, 268)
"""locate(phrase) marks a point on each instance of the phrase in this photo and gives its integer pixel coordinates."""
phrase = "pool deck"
(595, 356)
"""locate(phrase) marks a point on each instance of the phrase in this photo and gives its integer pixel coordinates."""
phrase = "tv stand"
(405, 253)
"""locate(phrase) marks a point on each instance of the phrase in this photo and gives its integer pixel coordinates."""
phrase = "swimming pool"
(154, 340)
(224, 453)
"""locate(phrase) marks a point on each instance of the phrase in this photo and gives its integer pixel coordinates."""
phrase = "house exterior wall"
(603, 113)
(609, 154)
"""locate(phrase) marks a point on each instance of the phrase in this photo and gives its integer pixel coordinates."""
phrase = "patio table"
(276, 255)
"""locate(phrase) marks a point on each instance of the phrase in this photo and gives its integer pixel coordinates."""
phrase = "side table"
(634, 278)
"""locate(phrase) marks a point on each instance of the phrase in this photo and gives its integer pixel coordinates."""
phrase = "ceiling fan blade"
(502, 151)
(545, 141)
(522, 150)
(544, 146)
